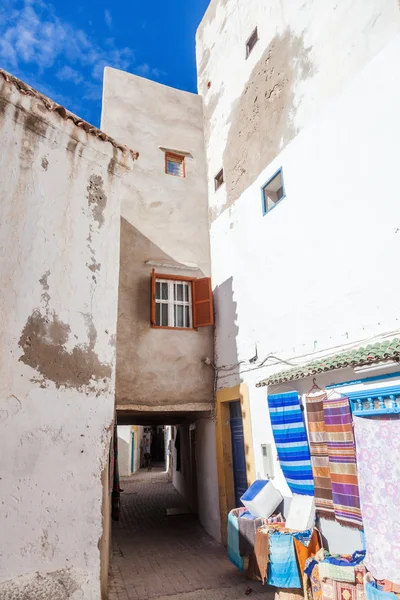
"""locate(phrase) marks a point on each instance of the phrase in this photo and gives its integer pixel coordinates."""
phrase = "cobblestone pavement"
(155, 556)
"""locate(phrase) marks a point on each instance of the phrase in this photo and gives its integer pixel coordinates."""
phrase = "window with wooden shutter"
(203, 314)
(153, 297)
(175, 164)
(180, 302)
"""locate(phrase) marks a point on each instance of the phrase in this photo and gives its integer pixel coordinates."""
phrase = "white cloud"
(108, 18)
(33, 36)
(67, 73)
(143, 69)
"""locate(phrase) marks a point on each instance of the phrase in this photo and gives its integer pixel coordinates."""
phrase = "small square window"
(219, 179)
(251, 42)
(273, 192)
(175, 164)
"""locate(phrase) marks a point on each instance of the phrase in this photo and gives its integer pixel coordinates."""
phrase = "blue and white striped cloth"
(291, 442)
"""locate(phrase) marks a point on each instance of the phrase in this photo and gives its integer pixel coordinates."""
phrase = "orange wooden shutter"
(153, 297)
(202, 303)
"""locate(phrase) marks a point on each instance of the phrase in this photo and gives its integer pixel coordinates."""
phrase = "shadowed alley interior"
(154, 555)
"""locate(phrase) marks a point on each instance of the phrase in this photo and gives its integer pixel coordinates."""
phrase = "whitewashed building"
(302, 134)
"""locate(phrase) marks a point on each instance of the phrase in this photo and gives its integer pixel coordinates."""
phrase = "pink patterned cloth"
(378, 459)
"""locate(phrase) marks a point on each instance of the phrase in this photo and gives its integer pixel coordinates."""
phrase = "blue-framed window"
(273, 192)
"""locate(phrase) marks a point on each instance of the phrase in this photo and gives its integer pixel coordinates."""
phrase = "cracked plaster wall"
(59, 216)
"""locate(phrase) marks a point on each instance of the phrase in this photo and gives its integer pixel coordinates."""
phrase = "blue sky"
(61, 48)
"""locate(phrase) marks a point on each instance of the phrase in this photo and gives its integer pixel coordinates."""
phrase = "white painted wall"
(318, 273)
(340, 38)
(124, 449)
(55, 419)
(207, 478)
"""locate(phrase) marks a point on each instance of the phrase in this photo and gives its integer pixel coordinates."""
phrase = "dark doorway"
(238, 454)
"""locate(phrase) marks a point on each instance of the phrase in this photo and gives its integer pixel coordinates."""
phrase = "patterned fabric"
(339, 590)
(342, 461)
(316, 587)
(291, 442)
(233, 539)
(378, 457)
(283, 571)
(319, 456)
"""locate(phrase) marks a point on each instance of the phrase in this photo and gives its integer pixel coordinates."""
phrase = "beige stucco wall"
(164, 219)
(59, 240)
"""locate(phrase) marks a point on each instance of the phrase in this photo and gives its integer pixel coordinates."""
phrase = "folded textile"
(373, 593)
(233, 539)
(303, 536)
(306, 551)
(303, 552)
(355, 559)
(336, 572)
(378, 458)
(261, 553)
(282, 571)
(291, 442)
(315, 582)
(247, 534)
(342, 461)
(319, 455)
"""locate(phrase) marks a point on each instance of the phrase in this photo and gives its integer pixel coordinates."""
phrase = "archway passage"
(162, 553)
(160, 556)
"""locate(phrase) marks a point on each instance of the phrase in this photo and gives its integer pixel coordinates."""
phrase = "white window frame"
(171, 302)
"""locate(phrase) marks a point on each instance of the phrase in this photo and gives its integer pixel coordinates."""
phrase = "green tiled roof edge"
(388, 350)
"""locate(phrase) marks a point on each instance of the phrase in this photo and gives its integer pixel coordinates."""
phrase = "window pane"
(158, 317)
(164, 312)
(186, 293)
(158, 286)
(164, 290)
(179, 292)
(179, 316)
(174, 168)
(187, 317)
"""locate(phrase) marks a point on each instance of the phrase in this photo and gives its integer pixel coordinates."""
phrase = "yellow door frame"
(224, 448)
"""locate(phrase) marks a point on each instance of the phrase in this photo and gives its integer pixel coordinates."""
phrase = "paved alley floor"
(155, 556)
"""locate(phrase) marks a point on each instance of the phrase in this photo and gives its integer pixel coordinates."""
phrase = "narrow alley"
(160, 556)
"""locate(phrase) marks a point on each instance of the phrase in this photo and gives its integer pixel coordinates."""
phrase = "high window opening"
(175, 164)
(219, 179)
(273, 192)
(251, 42)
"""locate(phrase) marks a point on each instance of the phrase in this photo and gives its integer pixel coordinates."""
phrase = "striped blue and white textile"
(291, 442)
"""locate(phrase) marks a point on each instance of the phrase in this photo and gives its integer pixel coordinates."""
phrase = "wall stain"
(43, 342)
(57, 585)
(45, 163)
(97, 198)
(95, 266)
(262, 119)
